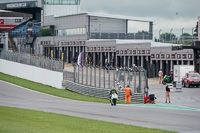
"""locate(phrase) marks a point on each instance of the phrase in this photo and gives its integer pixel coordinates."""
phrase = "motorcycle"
(113, 99)
(166, 79)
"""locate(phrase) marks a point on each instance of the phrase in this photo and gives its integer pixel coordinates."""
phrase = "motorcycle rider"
(112, 91)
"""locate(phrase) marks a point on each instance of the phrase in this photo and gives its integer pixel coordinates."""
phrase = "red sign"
(1, 21)
(7, 26)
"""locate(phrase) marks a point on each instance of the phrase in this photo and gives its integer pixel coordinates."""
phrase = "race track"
(162, 118)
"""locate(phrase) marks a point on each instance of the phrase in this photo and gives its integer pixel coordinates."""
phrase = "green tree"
(186, 36)
(167, 37)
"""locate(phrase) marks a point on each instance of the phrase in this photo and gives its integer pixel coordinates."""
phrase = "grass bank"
(15, 120)
(51, 90)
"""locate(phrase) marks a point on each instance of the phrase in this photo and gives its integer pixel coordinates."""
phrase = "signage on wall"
(14, 5)
(1, 21)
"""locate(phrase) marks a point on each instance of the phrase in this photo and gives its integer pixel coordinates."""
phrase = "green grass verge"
(15, 120)
(51, 90)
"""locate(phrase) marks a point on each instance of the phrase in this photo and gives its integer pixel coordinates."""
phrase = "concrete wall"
(32, 73)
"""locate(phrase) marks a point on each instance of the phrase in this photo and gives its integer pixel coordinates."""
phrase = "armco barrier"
(101, 92)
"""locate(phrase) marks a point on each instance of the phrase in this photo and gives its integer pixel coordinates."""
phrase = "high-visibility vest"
(127, 90)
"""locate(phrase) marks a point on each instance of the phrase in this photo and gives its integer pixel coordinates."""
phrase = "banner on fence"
(79, 61)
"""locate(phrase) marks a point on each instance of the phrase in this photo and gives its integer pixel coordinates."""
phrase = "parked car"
(191, 79)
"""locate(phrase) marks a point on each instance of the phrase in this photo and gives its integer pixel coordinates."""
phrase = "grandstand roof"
(122, 17)
(141, 19)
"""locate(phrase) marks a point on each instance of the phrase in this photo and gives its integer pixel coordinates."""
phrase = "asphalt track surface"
(181, 120)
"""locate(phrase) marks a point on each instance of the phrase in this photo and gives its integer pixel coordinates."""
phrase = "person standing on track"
(160, 74)
(128, 93)
(167, 94)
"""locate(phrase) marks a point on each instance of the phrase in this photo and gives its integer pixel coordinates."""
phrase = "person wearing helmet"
(128, 93)
(113, 90)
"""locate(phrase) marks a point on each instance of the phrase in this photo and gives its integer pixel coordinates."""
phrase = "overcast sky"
(168, 14)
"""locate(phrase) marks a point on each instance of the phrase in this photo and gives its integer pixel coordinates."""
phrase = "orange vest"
(127, 90)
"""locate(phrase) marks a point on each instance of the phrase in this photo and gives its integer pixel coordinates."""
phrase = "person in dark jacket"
(112, 91)
(167, 93)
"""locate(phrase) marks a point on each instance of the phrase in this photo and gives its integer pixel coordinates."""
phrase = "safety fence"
(101, 92)
(38, 61)
(106, 77)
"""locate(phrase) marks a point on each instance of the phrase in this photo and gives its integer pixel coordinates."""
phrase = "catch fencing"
(98, 81)
(38, 61)
(106, 77)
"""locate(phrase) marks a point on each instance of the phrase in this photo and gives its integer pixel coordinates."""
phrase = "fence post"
(91, 75)
(99, 76)
(135, 82)
(114, 74)
(82, 73)
(104, 75)
(94, 76)
(86, 74)
(108, 77)
(124, 77)
(129, 77)
(139, 88)
(74, 72)
(78, 72)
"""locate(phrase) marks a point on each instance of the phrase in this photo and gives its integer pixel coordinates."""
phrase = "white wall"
(32, 73)
(61, 10)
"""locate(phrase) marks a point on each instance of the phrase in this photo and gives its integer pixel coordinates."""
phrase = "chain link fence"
(105, 77)
(43, 62)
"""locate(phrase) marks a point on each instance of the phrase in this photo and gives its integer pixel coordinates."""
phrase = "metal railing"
(38, 61)
(105, 77)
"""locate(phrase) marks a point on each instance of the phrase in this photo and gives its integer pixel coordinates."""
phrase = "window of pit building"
(117, 52)
(162, 56)
(102, 48)
(91, 49)
(148, 51)
(168, 56)
(125, 51)
(121, 52)
(184, 56)
(157, 56)
(178, 56)
(143, 51)
(173, 56)
(130, 51)
(189, 56)
(134, 51)
(98, 48)
(95, 48)
(88, 48)
(152, 55)
(139, 52)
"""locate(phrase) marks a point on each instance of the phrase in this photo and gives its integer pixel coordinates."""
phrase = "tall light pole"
(192, 33)
(182, 34)
(171, 34)
(159, 34)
